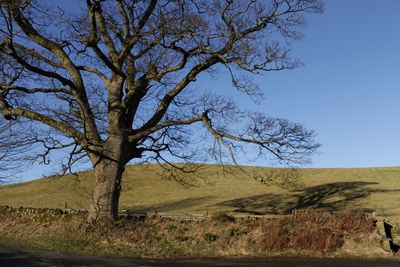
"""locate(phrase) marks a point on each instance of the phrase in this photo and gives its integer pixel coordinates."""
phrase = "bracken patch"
(316, 231)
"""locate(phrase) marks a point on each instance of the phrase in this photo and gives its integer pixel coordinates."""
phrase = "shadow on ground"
(331, 196)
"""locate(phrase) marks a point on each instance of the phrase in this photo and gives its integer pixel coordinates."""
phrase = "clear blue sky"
(349, 89)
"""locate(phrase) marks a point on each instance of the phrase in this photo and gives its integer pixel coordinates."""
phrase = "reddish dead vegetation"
(317, 231)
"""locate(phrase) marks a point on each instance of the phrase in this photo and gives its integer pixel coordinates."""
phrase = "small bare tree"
(113, 81)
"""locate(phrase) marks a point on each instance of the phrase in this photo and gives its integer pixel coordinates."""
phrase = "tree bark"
(107, 170)
(106, 191)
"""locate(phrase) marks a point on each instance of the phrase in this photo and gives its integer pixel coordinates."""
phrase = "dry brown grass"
(311, 233)
(144, 190)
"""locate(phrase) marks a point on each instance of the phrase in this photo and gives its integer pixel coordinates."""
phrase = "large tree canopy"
(112, 80)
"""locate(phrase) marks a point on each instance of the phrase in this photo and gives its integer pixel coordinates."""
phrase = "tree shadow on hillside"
(331, 196)
(173, 206)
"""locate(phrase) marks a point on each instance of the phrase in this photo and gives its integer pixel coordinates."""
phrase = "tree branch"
(8, 88)
(13, 53)
(166, 101)
(60, 126)
(135, 136)
(130, 42)
(78, 84)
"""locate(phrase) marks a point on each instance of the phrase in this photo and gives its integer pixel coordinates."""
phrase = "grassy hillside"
(144, 190)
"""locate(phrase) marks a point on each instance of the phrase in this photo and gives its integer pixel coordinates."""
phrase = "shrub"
(313, 231)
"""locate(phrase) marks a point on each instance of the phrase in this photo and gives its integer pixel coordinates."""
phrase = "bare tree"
(114, 81)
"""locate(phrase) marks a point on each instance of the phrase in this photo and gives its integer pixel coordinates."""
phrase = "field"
(144, 190)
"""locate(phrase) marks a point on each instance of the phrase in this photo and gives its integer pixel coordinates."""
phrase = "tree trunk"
(106, 191)
(108, 166)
